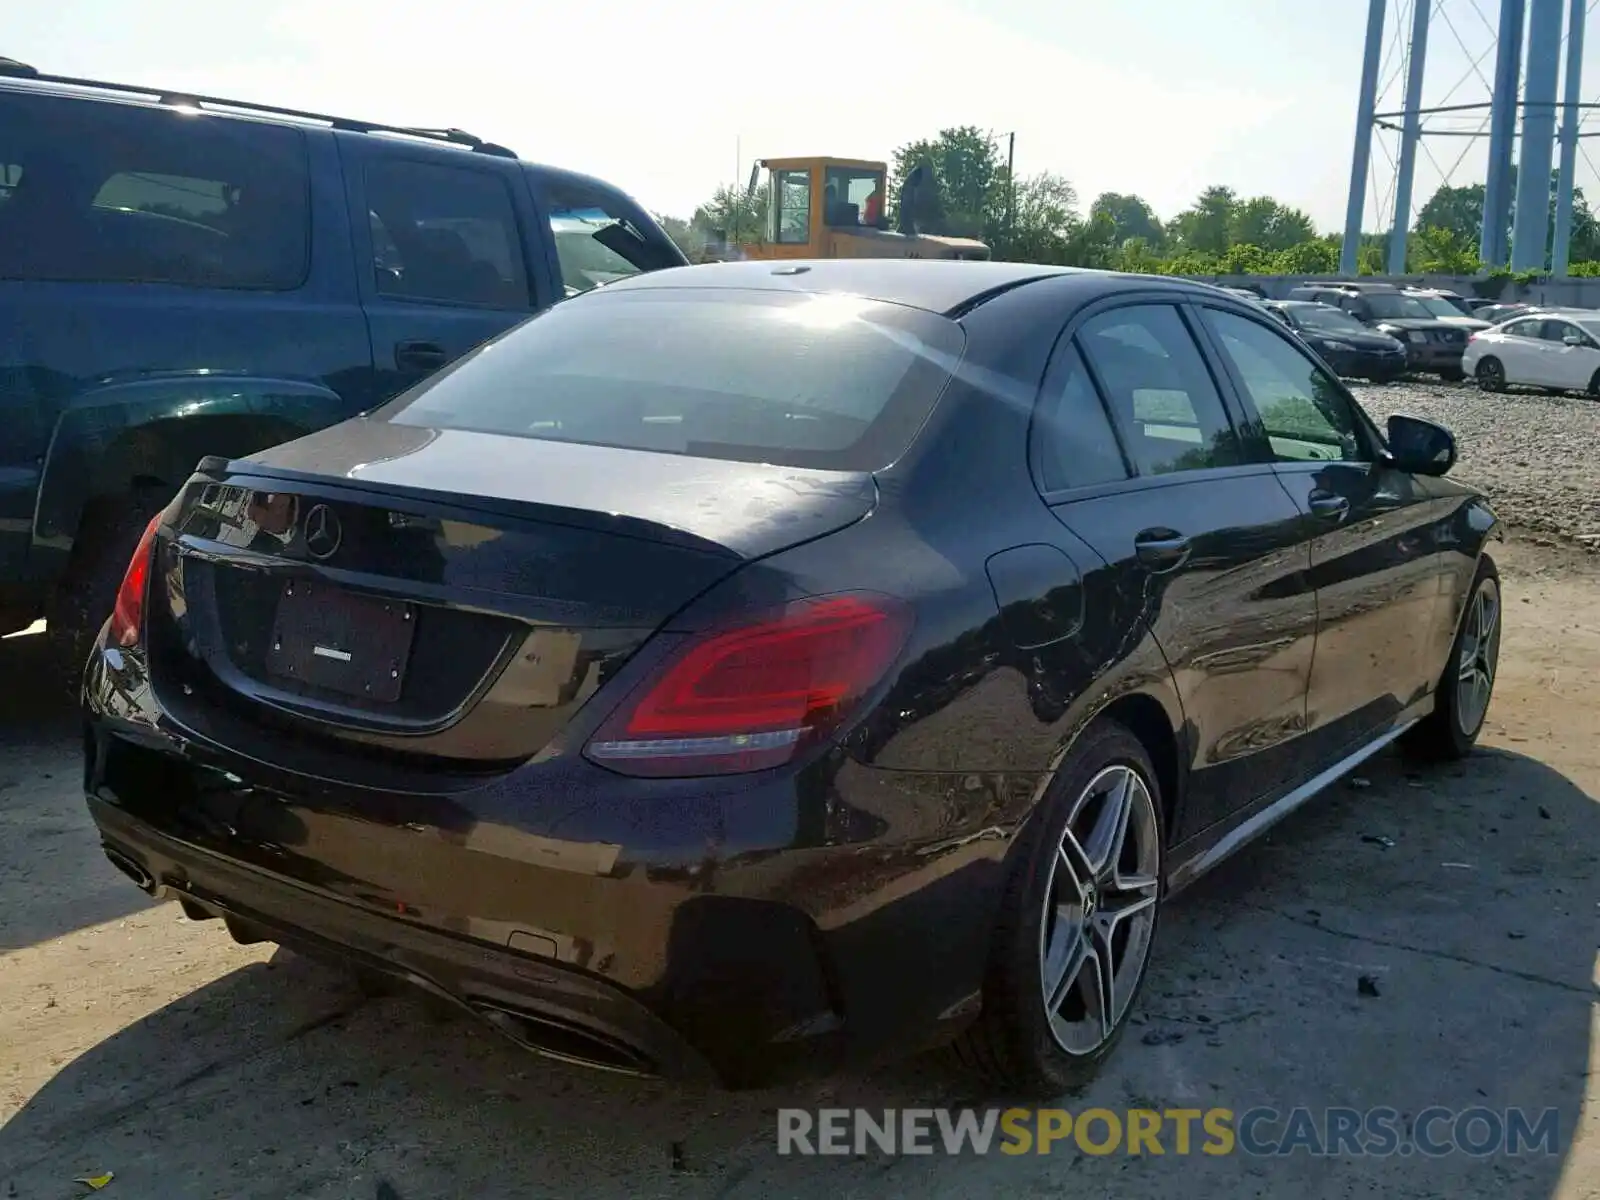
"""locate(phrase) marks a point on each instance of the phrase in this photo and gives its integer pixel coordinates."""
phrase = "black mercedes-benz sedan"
(744, 668)
(1345, 344)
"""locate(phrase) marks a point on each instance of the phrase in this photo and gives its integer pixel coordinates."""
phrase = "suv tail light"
(755, 696)
(127, 617)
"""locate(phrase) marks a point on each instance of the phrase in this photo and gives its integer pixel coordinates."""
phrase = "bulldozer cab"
(838, 208)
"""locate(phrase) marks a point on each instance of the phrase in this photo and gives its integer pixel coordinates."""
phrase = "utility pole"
(1011, 189)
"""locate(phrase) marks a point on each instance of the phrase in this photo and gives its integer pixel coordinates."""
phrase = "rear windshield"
(826, 381)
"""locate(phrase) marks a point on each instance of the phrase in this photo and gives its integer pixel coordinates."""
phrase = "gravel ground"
(1532, 453)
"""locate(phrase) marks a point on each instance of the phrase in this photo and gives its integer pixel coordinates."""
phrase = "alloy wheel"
(1480, 656)
(1100, 909)
(1491, 375)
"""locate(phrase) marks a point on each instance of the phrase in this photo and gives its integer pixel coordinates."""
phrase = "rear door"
(1520, 350)
(1375, 558)
(442, 242)
(1203, 541)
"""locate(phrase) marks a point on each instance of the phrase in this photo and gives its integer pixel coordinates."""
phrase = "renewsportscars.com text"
(1260, 1131)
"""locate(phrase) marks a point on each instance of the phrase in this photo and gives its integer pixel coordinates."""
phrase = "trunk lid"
(449, 596)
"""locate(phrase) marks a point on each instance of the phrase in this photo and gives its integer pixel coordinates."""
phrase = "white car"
(1555, 349)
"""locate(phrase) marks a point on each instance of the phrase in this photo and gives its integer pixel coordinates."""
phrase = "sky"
(1157, 97)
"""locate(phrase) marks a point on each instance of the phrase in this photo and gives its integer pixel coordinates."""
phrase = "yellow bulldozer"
(837, 208)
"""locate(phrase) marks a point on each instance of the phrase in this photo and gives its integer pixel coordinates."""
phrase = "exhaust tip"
(565, 1041)
(132, 869)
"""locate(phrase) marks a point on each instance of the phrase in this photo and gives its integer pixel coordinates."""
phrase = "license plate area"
(326, 637)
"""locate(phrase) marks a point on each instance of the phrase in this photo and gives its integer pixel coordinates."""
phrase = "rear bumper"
(752, 931)
(597, 1025)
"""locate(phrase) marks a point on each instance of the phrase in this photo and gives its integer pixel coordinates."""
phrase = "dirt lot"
(136, 1042)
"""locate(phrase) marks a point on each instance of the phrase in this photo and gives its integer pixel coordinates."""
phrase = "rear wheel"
(1491, 374)
(1077, 923)
(1594, 384)
(85, 594)
(1461, 700)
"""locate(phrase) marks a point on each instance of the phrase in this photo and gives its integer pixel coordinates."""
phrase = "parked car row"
(1380, 332)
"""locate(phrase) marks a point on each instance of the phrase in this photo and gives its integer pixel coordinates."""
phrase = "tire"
(1594, 385)
(1491, 374)
(1452, 375)
(85, 594)
(1015, 1043)
(1451, 730)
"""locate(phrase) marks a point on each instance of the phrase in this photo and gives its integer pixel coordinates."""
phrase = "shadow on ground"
(1465, 897)
(53, 876)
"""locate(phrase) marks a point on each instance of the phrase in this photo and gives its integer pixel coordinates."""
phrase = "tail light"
(127, 618)
(755, 696)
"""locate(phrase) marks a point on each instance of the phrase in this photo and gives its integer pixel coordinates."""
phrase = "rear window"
(117, 193)
(833, 382)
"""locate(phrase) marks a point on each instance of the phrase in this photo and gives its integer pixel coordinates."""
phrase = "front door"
(1374, 561)
(1203, 540)
(442, 255)
(1570, 353)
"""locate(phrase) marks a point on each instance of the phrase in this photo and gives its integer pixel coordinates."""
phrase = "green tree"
(971, 179)
(1262, 221)
(732, 215)
(1440, 251)
(1046, 222)
(1131, 217)
(1207, 226)
(1458, 210)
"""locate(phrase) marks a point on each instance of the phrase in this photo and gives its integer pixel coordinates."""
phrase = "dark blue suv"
(183, 276)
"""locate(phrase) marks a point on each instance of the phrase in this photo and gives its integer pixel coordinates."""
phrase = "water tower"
(1528, 44)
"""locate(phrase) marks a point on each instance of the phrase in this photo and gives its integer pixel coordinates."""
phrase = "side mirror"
(1574, 339)
(1420, 447)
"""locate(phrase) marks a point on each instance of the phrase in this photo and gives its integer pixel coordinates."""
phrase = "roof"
(938, 285)
(19, 77)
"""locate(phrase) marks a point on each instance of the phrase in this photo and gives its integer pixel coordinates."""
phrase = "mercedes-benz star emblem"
(324, 532)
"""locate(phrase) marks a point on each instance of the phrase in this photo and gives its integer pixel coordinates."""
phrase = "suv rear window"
(833, 382)
(117, 193)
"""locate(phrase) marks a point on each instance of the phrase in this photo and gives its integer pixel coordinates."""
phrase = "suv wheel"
(84, 596)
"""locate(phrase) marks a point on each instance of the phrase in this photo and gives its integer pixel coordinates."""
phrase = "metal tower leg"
(1569, 137)
(1531, 227)
(1492, 247)
(1360, 160)
(1411, 134)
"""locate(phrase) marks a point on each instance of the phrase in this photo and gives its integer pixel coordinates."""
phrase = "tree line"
(1040, 219)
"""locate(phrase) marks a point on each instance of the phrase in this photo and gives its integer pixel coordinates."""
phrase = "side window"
(1160, 392)
(447, 234)
(791, 207)
(598, 235)
(1527, 329)
(1305, 415)
(111, 193)
(1075, 443)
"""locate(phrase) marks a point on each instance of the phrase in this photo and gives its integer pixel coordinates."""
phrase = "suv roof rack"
(174, 99)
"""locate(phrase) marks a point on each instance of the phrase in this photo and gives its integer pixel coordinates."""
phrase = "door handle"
(1161, 548)
(1328, 504)
(420, 356)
